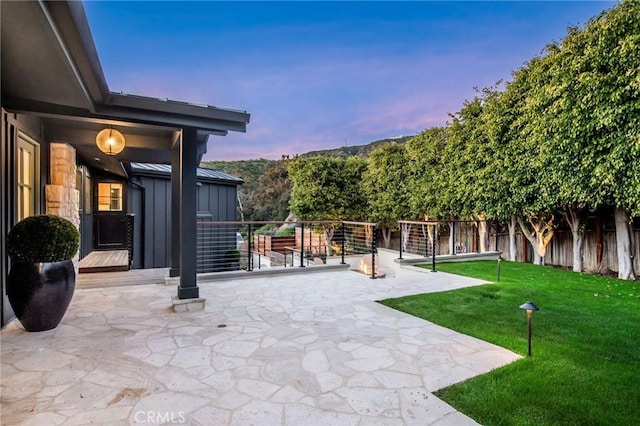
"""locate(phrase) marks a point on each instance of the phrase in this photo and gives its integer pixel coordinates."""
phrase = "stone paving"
(300, 349)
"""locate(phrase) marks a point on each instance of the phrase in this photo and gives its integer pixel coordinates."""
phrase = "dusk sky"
(319, 75)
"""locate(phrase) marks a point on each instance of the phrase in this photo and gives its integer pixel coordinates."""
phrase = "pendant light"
(110, 141)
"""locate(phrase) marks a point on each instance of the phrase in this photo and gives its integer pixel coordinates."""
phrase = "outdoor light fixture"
(110, 141)
(499, 260)
(529, 307)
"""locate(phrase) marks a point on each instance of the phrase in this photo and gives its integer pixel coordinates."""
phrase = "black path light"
(529, 307)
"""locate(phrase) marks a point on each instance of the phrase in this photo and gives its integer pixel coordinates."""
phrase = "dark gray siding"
(150, 202)
(32, 127)
(84, 185)
(218, 200)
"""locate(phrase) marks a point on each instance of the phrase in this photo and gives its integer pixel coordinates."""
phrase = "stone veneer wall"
(62, 197)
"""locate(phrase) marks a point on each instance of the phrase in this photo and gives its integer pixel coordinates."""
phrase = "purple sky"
(319, 75)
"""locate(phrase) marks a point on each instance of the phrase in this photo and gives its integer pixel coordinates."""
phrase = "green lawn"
(585, 368)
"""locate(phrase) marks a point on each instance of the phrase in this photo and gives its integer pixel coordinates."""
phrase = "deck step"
(104, 261)
(132, 277)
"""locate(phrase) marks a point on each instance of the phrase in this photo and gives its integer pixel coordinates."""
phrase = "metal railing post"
(400, 226)
(453, 238)
(426, 243)
(249, 243)
(342, 245)
(373, 253)
(433, 250)
(302, 245)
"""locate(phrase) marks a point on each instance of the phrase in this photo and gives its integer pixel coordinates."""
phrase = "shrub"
(267, 229)
(232, 256)
(286, 232)
(43, 238)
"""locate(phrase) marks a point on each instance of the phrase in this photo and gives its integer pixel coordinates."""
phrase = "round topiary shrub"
(43, 238)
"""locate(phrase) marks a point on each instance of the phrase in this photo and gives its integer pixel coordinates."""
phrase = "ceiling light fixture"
(110, 141)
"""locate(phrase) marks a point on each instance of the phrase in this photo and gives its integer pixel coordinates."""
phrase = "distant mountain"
(246, 169)
(357, 150)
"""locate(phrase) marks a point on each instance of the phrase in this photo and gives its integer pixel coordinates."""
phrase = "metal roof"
(203, 174)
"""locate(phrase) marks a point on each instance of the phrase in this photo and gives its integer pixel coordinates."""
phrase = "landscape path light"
(529, 307)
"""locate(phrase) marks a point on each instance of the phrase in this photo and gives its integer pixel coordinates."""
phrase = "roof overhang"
(202, 174)
(50, 68)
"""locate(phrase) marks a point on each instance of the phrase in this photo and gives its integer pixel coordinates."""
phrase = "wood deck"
(105, 261)
(123, 278)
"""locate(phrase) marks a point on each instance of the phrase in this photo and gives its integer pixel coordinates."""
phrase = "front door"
(110, 220)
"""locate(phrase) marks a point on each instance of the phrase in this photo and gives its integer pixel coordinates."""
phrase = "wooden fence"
(599, 246)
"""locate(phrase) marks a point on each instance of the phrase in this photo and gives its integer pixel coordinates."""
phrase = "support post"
(188, 288)
(302, 245)
(249, 244)
(400, 227)
(453, 238)
(433, 249)
(175, 213)
(342, 246)
(373, 253)
(426, 242)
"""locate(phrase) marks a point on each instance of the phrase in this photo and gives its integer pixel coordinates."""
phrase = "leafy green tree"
(430, 192)
(427, 180)
(471, 170)
(498, 196)
(272, 199)
(582, 117)
(537, 191)
(327, 188)
(385, 185)
(599, 117)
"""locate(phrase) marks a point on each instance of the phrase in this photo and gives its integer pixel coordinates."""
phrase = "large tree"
(587, 123)
(427, 180)
(430, 195)
(472, 164)
(501, 197)
(385, 186)
(328, 189)
(604, 63)
(271, 200)
(527, 166)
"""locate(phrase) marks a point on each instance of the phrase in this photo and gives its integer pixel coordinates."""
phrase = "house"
(149, 196)
(55, 101)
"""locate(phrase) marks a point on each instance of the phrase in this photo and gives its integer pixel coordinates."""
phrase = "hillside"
(251, 170)
(357, 150)
(266, 190)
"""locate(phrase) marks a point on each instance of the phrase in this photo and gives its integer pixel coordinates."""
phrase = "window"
(109, 197)
(27, 188)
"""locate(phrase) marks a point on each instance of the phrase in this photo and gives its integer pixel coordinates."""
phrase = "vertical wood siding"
(152, 235)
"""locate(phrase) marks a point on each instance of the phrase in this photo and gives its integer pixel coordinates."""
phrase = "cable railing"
(235, 246)
(431, 238)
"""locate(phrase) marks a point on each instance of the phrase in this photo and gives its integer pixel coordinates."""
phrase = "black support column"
(175, 213)
(188, 288)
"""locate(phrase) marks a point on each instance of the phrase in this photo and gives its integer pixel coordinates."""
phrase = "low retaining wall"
(462, 257)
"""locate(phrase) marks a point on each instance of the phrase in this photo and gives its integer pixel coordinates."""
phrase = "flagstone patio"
(297, 349)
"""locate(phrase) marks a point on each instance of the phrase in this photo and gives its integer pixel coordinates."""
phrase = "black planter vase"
(40, 293)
